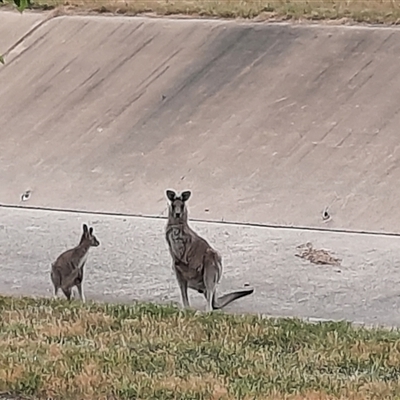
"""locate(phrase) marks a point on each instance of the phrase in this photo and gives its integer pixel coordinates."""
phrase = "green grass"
(97, 351)
(369, 11)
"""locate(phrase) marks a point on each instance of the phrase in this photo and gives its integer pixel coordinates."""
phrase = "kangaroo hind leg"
(67, 292)
(210, 282)
(56, 281)
(80, 292)
(183, 286)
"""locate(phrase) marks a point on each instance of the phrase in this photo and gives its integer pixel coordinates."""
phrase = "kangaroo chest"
(176, 239)
(82, 261)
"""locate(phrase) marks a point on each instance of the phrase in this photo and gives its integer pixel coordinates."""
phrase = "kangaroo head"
(88, 236)
(177, 206)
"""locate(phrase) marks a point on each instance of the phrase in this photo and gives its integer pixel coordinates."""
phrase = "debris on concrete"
(321, 257)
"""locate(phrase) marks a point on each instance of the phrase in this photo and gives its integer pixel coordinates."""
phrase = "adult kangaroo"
(196, 264)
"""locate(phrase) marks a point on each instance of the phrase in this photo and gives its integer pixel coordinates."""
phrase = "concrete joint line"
(216, 222)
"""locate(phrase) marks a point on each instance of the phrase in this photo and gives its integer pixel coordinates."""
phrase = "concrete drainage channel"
(266, 124)
(133, 263)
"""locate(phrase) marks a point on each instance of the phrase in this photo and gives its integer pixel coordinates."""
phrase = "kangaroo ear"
(90, 231)
(171, 195)
(185, 195)
(85, 228)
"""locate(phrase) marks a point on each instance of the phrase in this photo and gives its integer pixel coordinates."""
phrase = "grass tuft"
(60, 350)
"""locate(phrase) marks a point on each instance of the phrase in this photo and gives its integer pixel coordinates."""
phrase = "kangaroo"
(196, 264)
(67, 270)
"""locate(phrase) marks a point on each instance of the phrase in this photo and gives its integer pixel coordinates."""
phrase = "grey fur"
(67, 270)
(196, 264)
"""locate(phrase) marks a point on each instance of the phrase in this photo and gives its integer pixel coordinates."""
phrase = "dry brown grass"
(369, 11)
(73, 351)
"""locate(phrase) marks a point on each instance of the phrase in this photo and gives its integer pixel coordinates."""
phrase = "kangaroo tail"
(226, 299)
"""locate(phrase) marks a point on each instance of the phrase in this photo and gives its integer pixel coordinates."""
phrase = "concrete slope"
(265, 123)
(15, 26)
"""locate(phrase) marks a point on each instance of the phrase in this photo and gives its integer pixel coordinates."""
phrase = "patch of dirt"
(319, 257)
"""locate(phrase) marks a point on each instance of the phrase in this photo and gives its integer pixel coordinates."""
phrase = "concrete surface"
(266, 123)
(132, 262)
(14, 27)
